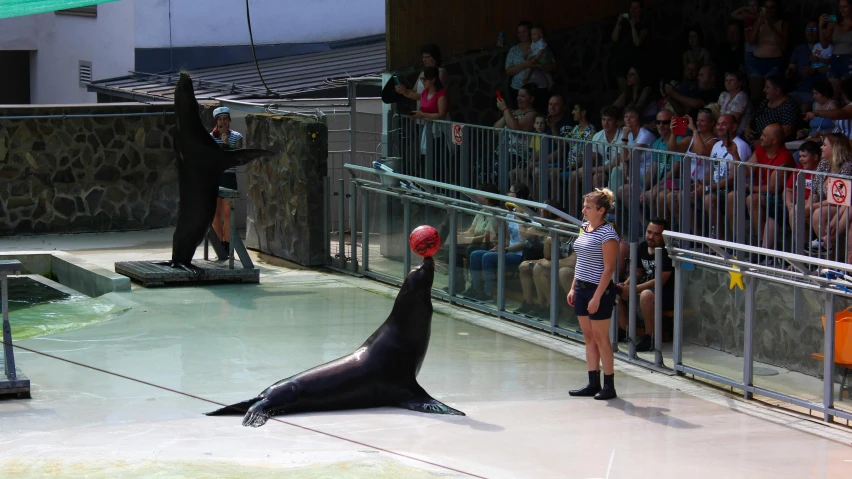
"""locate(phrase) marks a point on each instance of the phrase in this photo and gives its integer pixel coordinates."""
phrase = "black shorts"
(228, 179)
(584, 292)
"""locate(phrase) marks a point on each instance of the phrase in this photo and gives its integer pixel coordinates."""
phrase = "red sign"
(457, 133)
(839, 192)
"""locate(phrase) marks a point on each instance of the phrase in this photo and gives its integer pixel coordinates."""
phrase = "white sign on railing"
(839, 192)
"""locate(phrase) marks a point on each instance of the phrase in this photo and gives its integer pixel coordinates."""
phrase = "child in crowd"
(539, 53)
(821, 57)
(535, 143)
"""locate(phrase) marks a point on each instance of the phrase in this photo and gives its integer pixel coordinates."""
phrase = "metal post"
(353, 225)
(635, 229)
(365, 230)
(799, 224)
(828, 360)
(658, 306)
(677, 340)
(740, 208)
(501, 264)
(543, 170)
(748, 338)
(232, 231)
(503, 163)
(685, 191)
(632, 299)
(467, 139)
(8, 353)
(588, 168)
(430, 150)
(353, 124)
(341, 218)
(554, 278)
(326, 219)
(406, 230)
(453, 237)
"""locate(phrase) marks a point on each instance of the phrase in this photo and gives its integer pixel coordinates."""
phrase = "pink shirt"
(430, 105)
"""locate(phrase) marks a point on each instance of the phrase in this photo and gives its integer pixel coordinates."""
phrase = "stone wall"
(285, 192)
(88, 173)
(716, 320)
(582, 53)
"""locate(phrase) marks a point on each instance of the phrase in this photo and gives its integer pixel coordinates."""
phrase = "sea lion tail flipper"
(430, 405)
(233, 158)
(235, 409)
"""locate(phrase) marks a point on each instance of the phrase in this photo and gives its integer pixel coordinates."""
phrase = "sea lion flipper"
(429, 404)
(233, 158)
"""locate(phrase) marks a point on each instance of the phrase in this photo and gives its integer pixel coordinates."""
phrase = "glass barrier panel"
(388, 242)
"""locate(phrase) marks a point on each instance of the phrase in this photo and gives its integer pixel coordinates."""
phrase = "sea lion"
(200, 163)
(382, 372)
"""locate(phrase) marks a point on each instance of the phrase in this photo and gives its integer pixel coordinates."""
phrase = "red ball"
(424, 241)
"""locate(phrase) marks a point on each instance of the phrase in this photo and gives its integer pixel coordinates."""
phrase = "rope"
(388, 451)
(251, 40)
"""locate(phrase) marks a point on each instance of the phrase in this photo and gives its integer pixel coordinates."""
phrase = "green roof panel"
(17, 8)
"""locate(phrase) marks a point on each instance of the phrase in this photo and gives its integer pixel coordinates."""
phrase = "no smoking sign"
(840, 192)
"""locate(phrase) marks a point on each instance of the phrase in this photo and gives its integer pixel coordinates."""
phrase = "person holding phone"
(730, 149)
(837, 31)
(629, 36)
(593, 292)
(769, 37)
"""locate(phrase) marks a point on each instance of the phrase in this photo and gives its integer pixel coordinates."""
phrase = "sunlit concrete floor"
(226, 343)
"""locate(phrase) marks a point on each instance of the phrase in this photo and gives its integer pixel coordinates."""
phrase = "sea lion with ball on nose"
(380, 373)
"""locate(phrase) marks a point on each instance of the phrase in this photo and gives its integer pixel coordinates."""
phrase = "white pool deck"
(226, 343)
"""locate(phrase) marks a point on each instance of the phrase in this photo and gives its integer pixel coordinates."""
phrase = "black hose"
(251, 39)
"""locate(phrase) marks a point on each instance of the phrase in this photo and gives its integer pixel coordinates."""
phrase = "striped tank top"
(589, 248)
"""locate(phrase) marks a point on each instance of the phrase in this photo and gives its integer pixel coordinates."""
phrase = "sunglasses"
(811, 29)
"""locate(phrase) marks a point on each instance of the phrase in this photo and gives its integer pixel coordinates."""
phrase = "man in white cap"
(227, 139)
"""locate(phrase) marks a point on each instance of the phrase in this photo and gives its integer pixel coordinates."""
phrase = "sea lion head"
(418, 283)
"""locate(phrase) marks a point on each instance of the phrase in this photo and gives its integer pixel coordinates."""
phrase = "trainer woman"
(592, 295)
(227, 139)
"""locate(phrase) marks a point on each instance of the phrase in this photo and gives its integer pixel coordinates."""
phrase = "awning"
(17, 8)
(286, 76)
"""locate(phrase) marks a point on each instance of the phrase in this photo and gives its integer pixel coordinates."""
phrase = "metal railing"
(751, 204)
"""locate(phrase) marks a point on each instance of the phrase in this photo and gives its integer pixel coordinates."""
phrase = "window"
(85, 73)
(90, 11)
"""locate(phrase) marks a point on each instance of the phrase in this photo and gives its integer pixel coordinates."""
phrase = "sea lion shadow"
(247, 296)
(651, 414)
(449, 419)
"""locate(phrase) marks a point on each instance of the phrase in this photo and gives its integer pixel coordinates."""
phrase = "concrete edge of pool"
(70, 271)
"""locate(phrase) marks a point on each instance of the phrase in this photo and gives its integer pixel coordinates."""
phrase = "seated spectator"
(769, 37)
(666, 165)
(809, 153)
(646, 287)
(730, 56)
(629, 40)
(605, 151)
(748, 15)
(801, 67)
(688, 85)
(841, 117)
(535, 274)
(521, 119)
(777, 108)
(482, 232)
(637, 94)
(764, 186)
(734, 101)
(483, 263)
(634, 135)
(839, 35)
(695, 146)
(719, 181)
(708, 93)
(570, 171)
(518, 62)
(695, 53)
(822, 94)
(836, 159)
(557, 124)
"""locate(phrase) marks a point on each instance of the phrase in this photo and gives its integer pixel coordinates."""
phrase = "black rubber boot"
(608, 391)
(592, 388)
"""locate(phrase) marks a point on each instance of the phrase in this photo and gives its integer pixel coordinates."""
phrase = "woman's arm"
(616, 32)
(844, 113)
(621, 100)
(443, 109)
(826, 29)
(526, 122)
(638, 36)
(610, 255)
(239, 143)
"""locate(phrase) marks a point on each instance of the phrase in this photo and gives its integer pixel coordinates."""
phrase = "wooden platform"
(152, 275)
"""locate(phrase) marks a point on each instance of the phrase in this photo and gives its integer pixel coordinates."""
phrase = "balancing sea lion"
(382, 372)
(200, 163)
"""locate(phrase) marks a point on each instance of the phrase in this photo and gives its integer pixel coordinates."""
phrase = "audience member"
(431, 57)
(801, 67)
(629, 38)
(707, 93)
(730, 148)
(730, 56)
(518, 61)
(479, 236)
(809, 153)
(521, 119)
(539, 53)
(839, 36)
(778, 108)
(635, 135)
(557, 124)
(695, 53)
(570, 172)
(822, 93)
(666, 164)
(606, 156)
(637, 93)
(763, 186)
(748, 15)
(769, 37)
(434, 105)
(841, 117)
(734, 101)
(646, 284)
(836, 159)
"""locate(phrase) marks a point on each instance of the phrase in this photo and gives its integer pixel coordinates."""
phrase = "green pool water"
(36, 309)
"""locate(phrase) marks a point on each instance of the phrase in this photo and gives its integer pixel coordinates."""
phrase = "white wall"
(223, 22)
(63, 40)
(18, 33)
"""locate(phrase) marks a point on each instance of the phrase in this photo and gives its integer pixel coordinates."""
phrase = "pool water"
(37, 309)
